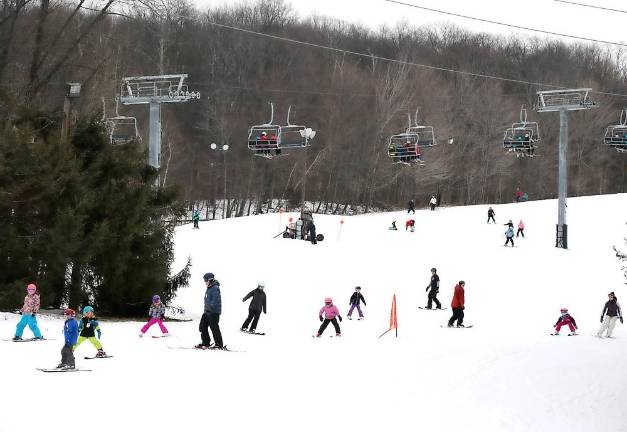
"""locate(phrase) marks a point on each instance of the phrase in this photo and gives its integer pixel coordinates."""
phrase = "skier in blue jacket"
(70, 333)
(211, 316)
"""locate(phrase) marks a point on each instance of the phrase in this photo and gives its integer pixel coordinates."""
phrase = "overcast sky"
(542, 14)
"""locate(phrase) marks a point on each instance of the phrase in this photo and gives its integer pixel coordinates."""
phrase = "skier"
(518, 194)
(433, 202)
(393, 227)
(28, 311)
(211, 316)
(521, 229)
(354, 301)
(509, 234)
(410, 206)
(70, 334)
(88, 327)
(256, 306)
(434, 285)
(611, 313)
(458, 305)
(196, 218)
(312, 233)
(565, 319)
(410, 224)
(491, 215)
(156, 315)
(331, 315)
(509, 224)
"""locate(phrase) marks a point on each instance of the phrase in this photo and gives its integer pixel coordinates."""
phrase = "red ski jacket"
(458, 297)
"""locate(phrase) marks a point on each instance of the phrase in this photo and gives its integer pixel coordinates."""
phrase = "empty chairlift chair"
(122, 130)
(616, 135)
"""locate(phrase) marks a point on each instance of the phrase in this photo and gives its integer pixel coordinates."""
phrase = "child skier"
(393, 227)
(354, 301)
(410, 224)
(88, 328)
(331, 315)
(521, 229)
(28, 311)
(565, 319)
(509, 234)
(156, 314)
(70, 333)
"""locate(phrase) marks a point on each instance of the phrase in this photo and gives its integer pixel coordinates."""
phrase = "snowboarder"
(354, 301)
(211, 316)
(88, 328)
(256, 306)
(509, 234)
(521, 229)
(156, 315)
(491, 215)
(565, 319)
(611, 313)
(331, 315)
(411, 206)
(312, 233)
(433, 202)
(393, 227)
(458, 305)
(196, 218)
(28, 311)
(410, 224)
(70, 334)
(434, 285)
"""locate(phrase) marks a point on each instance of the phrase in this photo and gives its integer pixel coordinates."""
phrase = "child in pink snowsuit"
(565, 319)
(156, 314)
(331, 315)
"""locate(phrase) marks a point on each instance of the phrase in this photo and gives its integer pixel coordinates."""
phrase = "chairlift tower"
(153, 91)
(563, 101)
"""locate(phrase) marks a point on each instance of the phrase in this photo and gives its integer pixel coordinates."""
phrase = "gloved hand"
(601, 319)
(32, 314)
(320, 316)
(99, 334)
(340, 318)
(621, 320)
(427, 289)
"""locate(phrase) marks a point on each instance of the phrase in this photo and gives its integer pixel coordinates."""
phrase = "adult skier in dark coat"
(211, 317)
(256, 306)
(434, 286)
(491, 215)
(312, 233)
(410, 207)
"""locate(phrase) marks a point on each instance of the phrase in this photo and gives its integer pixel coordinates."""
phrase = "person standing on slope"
(70, 334)
(88, 328)
(611, 313)
(434, 286)
(312, 233)
(433, 202)
(491, 215)
(521, 229)
(156, 315)
(211, 316)
(457, 304)
(411, 206)
(354, 301)
(565, 319)
(256, 306)
(331, 315)
(509, 234)
(196, 218)
(28, 311)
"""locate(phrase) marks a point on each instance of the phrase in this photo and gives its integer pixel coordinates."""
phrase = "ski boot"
(461, 325)
(166, 335)
(38, 338)
(360, 319)
(141, 334)
(16, 338)
(350, 318)
(338, 334)
(68, 367)
(101, 353)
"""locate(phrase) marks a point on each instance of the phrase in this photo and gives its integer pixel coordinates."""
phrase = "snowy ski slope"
(505, 374)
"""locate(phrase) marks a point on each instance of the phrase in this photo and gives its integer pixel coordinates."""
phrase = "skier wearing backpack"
(434, 286)
(509, 234)
(611, 313)
(331, 315)
(256, 306)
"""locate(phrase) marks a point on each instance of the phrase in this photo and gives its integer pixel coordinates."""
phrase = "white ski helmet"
(261, 285)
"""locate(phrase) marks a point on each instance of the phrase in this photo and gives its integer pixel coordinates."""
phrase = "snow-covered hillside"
(505, 374)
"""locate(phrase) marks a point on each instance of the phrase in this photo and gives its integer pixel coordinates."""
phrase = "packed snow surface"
(504, 374)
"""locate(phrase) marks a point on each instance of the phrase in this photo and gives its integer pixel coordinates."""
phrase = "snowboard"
(94, 357)
(420, 307)
(63, 370)
(27, 340)
(465, 327)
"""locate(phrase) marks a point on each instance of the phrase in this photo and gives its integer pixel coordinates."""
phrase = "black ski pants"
(432, 206)
(520, 231)
(326, 322)
(210, 321)
(491, 217)
(432, 297)
(67, 356)
(458, 314)
(411, 209)
(253, 315)
(510, 239)
(195, 224)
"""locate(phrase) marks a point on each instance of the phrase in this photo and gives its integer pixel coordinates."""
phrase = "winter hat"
(208, 276)
(31, 287)
(564, 310)
(261, 285)
(69, 312)
(434, 270)
(358, 288)
(612, 294)
(461, 283)
(87, 309)
(328, 300)
(156, 298)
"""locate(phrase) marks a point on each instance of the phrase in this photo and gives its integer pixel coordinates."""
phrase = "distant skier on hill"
(509, 224)
(434, 286)
(256, 306)
(411, 206)
(354, 301)
(509, 234)
(433, 202)
(458, 305)
(565, 319)
(521, 229)
(410, 224)
(393, 227)
(611, 313)
(196, 218)
(491, 215)
(331, 315)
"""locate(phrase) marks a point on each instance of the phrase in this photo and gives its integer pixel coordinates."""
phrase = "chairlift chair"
(122, 130)
(404, 149)
(264, 139)
(522, 136)
(426, 135)
(293, 136)
(616, 135)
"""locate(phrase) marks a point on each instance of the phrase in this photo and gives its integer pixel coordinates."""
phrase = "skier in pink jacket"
(331, 315)
(521, 229)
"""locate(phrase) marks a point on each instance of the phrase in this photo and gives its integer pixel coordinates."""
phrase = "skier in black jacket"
(354, 301)
(491, 215)
(410, 207)
(611, 313)
(257, 305)
(434, 286)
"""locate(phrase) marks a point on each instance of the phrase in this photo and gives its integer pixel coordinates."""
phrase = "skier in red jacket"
(565, 319)
(458, 305)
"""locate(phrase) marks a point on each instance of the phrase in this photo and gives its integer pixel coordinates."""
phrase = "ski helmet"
(87, 309)
(31, 287)
(69, 312)
(433, 270)
(358, 288)
(563, 310)
(208, 276)
(156, 298)
(328, 300)
(261, 285)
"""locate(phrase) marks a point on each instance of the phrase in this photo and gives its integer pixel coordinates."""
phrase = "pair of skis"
(27, 340)
(55, 370)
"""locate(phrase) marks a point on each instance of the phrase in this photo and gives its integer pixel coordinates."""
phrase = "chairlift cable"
(591, 6)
